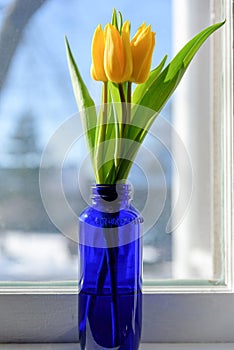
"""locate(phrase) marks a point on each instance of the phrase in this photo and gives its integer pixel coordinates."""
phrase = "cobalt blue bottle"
(110, 277)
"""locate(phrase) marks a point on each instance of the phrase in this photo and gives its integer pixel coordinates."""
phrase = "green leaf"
(134, 129)
(84, 101)
(114, 20)
(120, 21)
(142, 88)
(162, 87)
(156, 91)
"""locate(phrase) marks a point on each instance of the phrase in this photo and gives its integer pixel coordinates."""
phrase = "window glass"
(36, 98)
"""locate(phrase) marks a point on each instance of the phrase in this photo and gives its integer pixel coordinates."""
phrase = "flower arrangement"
(110, 283)
(115, 132)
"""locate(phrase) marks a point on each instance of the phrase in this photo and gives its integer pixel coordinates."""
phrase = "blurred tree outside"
(18, 14)
(24, 148)
(19, 185)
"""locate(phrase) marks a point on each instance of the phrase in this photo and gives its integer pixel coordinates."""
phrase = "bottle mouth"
(111, 192)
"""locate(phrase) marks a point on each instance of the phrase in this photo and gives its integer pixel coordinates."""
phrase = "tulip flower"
(118, 61)
(98, 45)
(117, 54)
(142, 46)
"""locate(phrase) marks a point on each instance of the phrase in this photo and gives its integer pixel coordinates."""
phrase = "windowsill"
(152, 346)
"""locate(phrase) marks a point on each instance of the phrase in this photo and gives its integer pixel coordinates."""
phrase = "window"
(32, 247)
(186, 312)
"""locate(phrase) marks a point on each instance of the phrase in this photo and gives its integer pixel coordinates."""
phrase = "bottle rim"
(112, 192)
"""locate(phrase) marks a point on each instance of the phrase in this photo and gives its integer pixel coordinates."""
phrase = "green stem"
(104, 113)
(129, 99)
(102, 135)
(123, 105)
(126, 120)
(122, 125)
(124, 110)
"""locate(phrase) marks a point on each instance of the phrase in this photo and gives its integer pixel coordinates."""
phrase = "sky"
(39, 82)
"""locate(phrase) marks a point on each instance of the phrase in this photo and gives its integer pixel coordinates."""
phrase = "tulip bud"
(98, 44)
(117, 53)
(142, 46)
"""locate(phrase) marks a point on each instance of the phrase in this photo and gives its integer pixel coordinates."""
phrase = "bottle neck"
(111, 198)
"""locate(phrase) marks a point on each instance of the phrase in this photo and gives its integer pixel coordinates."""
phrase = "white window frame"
(171, 313)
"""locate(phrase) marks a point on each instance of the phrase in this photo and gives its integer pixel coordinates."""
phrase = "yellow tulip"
(117, 53)
(142, 46)
(98, 45)
(117, 59)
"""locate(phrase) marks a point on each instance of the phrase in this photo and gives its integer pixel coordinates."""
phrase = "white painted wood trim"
(152, 346)
(176, 318)
(191, 119)
(144, 346)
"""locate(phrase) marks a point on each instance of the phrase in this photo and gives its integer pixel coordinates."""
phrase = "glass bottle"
(110, 277)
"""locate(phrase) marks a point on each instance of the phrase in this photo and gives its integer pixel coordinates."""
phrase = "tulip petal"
(97, 68)
(144, 72)
(113, 54)
(128, 66)
(142, 46)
